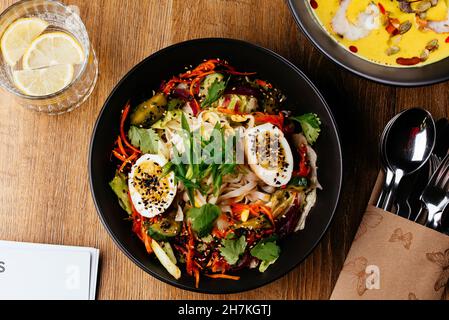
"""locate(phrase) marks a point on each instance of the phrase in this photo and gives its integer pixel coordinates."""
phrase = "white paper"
(47, 272)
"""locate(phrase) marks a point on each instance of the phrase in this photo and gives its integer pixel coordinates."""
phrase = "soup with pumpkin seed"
(397, 33)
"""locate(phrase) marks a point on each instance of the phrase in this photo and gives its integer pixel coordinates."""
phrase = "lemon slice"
(44, 81)
(52, 49)
(18, 37)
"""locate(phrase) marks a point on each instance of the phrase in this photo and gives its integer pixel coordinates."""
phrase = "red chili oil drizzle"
(381, 8)
(447, 40)
(353, 49)
(313, 4)
(408, 61)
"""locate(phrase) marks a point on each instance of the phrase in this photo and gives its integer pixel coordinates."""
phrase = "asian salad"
(213, 171)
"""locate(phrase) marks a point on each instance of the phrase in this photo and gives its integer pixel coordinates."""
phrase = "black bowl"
(406, 77)
(140, 82)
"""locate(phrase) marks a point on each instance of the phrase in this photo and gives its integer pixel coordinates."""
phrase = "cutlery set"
(415, 158)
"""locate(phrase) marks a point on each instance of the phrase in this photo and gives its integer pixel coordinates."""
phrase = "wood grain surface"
(44, 191)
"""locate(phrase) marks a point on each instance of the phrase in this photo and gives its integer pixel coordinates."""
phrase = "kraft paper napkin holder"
(392, 258)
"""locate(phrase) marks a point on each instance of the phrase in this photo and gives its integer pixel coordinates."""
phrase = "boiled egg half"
(269, 155)
(151, 193)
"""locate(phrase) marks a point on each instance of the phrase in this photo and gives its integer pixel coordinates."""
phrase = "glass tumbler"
(60, 17)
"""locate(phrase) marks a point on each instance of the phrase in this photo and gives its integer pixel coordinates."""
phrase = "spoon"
(389, 175)
(408, 142)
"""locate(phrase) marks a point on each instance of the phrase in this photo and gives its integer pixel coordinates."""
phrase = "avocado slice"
(149, 112)
(164, 229)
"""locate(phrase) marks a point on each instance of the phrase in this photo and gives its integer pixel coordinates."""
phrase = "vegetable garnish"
(215, 92)
(311, 126)
(212, 170)
(120, 187)
(145, 139)
(232, 249)
(267, 251)
(263, 83)
(128, 161)
(121, 148)
(202, 219)
(122, 130)
(222, 276)
(197, 169)
(277, 120)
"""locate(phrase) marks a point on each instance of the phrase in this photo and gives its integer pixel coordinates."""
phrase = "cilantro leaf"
(216, 90)
(233, 249)
(145, 139)
(203, 218)
(310, 124)
(120, 188)
(267, 251)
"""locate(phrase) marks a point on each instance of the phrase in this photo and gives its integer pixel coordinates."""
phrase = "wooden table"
(44, 191)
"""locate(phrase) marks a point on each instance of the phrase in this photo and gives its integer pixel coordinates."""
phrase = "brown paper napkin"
(394, 258)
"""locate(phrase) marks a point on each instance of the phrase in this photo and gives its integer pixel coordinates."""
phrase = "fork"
(436, 195)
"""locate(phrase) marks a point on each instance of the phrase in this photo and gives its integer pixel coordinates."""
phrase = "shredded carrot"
(206, 66)
(223, 276)
(198, 265)
(129, 160)
(230, 112)
(219, 265)
(121, 148)
(118, 156)
(225, 110)
(147, 241)
(122, 129)
(197, 79)
(268, 213)
(171, 84)
(190, 248)
(211, 261)
(197, 277)
(192, 86)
